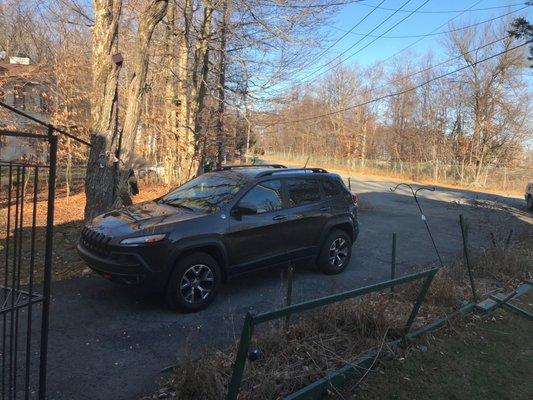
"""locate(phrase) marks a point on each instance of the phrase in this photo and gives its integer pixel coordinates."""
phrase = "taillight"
(355, 198)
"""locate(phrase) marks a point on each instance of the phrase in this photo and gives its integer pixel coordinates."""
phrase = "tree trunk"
(171, 102)
(202, 58)
(185, 132)
(100, 175)
(148, 20)
(222, 82)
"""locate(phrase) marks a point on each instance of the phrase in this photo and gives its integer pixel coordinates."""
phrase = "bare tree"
(101, 173)
(152, 14)
(226, 10)
(490, 89)
(200, 78)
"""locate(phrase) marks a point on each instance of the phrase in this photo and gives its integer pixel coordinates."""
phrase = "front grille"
(97, 242)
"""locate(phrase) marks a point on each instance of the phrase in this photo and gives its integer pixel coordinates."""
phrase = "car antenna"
(306, 161)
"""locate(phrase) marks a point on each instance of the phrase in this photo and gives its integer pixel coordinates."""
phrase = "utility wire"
(317, 58)
(435, 65)
(372, 41)
(402, 91)
(299, 81)
(312, 74)
(436, 29)
(436, 33)
(420, 39)
(446, 11)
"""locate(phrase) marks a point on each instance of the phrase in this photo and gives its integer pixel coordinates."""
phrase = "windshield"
(207, 192)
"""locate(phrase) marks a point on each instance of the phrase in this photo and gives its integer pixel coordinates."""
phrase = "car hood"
(140, 217)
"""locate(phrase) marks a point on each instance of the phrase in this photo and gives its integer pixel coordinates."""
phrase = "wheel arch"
(213, 248)
(343, 224)
(346, 227)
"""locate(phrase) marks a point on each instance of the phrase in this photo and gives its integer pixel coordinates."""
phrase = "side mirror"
(243, 209)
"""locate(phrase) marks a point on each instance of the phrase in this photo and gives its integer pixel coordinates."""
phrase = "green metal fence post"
(419, 300)
(464, 234)
(240, 359)
(288, 296)
(393, 261)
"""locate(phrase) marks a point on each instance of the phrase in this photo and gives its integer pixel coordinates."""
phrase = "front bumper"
(125, 268)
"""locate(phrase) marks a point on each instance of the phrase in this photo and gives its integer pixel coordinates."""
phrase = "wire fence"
(492, 177)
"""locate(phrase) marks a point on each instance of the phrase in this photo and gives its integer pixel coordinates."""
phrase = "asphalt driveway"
(108, 342)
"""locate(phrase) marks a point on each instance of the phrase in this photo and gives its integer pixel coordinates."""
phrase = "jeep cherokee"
(221, 224)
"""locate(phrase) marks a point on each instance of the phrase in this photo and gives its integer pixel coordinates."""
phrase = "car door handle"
(279, 217)
(324, 209)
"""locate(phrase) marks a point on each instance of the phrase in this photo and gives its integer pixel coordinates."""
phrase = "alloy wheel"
(338, 252)
(197, 283)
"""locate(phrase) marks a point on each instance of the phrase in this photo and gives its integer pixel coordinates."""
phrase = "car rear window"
(302, 191)
(331, 188)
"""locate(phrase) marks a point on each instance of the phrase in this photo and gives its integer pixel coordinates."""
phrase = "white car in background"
(529, 196)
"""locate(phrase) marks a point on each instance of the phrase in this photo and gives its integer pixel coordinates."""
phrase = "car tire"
(530, 203)
(335, 253)
(193, 283)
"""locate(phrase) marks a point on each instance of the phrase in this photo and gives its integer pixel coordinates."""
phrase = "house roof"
(33, 72)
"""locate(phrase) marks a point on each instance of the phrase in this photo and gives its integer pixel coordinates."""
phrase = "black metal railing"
(27, 198)
(25, 270)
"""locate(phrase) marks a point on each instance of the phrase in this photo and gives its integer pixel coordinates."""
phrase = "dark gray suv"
(222, 224)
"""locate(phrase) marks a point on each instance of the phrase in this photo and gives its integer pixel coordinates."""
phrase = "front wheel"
(335, 253)
(530, 203)
(193, 283)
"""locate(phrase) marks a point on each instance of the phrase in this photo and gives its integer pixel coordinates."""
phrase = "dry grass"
(317, 344)
(325, 340)
(506, 264)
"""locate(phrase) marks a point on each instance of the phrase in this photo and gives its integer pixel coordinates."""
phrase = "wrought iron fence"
(27, 198)
(25, 272)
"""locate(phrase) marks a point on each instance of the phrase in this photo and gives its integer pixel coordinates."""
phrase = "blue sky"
(416, 24)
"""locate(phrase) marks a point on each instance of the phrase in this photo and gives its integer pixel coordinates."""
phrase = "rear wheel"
(530, 203)
(194, 283)
(335, 253)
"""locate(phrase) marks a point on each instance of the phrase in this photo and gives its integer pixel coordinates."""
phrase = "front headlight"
(143, 239)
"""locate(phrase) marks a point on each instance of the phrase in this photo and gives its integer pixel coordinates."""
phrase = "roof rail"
(229, 167)
(289, 170)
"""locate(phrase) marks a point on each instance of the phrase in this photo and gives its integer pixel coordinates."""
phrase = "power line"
(359, 41)
(420, 39)
(402, 91)
(436, 29)
(435, 33)
(372, 41)
(317, 58)
(436, 65)
(445, 11)
(323, 5)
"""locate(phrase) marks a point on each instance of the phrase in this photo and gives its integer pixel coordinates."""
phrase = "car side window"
(302, 191)
(331, 188)
(263, 197)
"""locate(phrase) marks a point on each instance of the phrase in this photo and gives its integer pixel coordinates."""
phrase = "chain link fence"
(492, 177)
